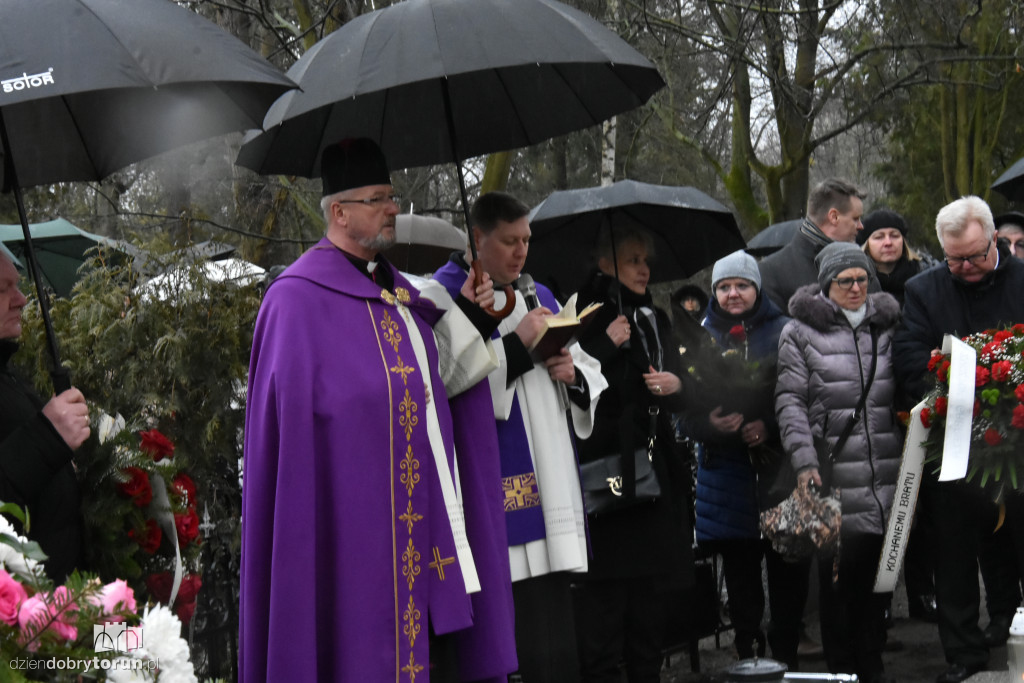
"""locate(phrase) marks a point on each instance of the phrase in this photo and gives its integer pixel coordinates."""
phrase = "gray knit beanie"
(737, 264)
(837, 257)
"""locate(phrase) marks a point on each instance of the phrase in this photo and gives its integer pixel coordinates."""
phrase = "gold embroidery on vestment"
(411, 617)
(411, 558)
(412, 668)
(403, 295)
(520, 491)
(409, 466)
(391, 333)
(406, 417)
(402, 369)
(387, 297)
(410, 517)
(440, 563)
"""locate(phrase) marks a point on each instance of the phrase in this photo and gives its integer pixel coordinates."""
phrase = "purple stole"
(524, 519)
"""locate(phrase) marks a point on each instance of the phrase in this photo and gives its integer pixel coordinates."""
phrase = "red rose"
(943, 371)
(1002, 335)
(187, 524)
(189, 589)
(926, 417)
(1018, 417)
(738, 333)
(137, 487)
(934, 361)
(941, 403)
(1001, 370)
(981, 376)
(1019, 392)
(1018, 329)
(157, 445)
(183, 485)
(992, 437)
(149, 539)
(185, 612)
(977, 408)
(159, 586)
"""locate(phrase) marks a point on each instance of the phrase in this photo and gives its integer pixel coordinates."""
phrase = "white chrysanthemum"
(163, 642)
(10, 559)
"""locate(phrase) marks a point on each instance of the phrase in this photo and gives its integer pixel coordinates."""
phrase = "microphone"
(528, 289)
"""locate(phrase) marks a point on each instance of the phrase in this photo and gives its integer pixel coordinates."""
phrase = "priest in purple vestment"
(363, 544)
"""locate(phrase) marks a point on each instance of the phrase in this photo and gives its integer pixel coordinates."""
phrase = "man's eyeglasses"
(973, 259)
(847, 282)
(376, 201)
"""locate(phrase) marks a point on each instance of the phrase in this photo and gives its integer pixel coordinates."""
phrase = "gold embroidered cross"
(410, 517)
(402, 369)
(412, 668)
(439, 563)
(520, 491)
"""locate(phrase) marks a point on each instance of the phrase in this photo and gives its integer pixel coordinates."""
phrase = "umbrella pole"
(478, 269)
(59, 374)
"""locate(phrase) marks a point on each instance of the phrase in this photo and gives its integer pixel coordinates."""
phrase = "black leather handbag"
(602, 482)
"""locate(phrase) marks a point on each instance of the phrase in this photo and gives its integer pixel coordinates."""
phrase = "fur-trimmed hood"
(808, 306)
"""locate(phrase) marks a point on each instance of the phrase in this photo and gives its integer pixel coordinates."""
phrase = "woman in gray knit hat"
(836, 384)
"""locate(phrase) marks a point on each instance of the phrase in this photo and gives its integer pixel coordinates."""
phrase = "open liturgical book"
(562, 329)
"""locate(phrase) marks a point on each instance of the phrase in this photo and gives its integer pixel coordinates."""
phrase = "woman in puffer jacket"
(825, 361)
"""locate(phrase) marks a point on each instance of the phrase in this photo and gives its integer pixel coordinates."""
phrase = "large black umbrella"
(436, 81)
(1011, 183)
(90, 86)
(774, 237)
(690, 230)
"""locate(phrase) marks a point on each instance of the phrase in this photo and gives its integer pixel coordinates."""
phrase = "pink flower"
(57, 609)
(12, 594)
(33, 613)
(64, 624)
(115, 598)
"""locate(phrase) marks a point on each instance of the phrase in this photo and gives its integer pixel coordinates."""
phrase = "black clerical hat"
(353, 162)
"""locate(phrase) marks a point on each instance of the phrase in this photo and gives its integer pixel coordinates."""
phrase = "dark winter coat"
(727, 504)
(823, 367)
(36, 471)
(788, 269)
(895, 282)
(647, 539)
(938, 304)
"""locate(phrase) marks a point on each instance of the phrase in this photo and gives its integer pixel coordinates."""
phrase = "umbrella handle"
(510, 294)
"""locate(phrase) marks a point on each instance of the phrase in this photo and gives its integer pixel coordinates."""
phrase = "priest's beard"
(379, 243)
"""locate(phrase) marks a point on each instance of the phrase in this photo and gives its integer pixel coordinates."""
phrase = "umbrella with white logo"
(90, 86)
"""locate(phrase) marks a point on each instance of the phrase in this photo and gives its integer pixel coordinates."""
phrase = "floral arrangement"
(997, 431)
(50, 632)
(148, 531)
(727, 377)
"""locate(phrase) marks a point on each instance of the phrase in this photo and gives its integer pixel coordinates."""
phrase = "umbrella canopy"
(1011, 183)
(774, 237)
(424, 243)
(435, 81)
(90, 86)
(690, 230)
(60, 250)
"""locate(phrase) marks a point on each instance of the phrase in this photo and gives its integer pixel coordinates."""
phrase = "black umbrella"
(436, 81)
(1011, 183)
(774, 237)
(690, 230)
(90, 86)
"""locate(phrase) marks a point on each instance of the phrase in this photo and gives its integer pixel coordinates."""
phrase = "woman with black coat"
(641, 549)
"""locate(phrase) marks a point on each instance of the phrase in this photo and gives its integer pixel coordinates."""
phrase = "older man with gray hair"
(978, 288)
